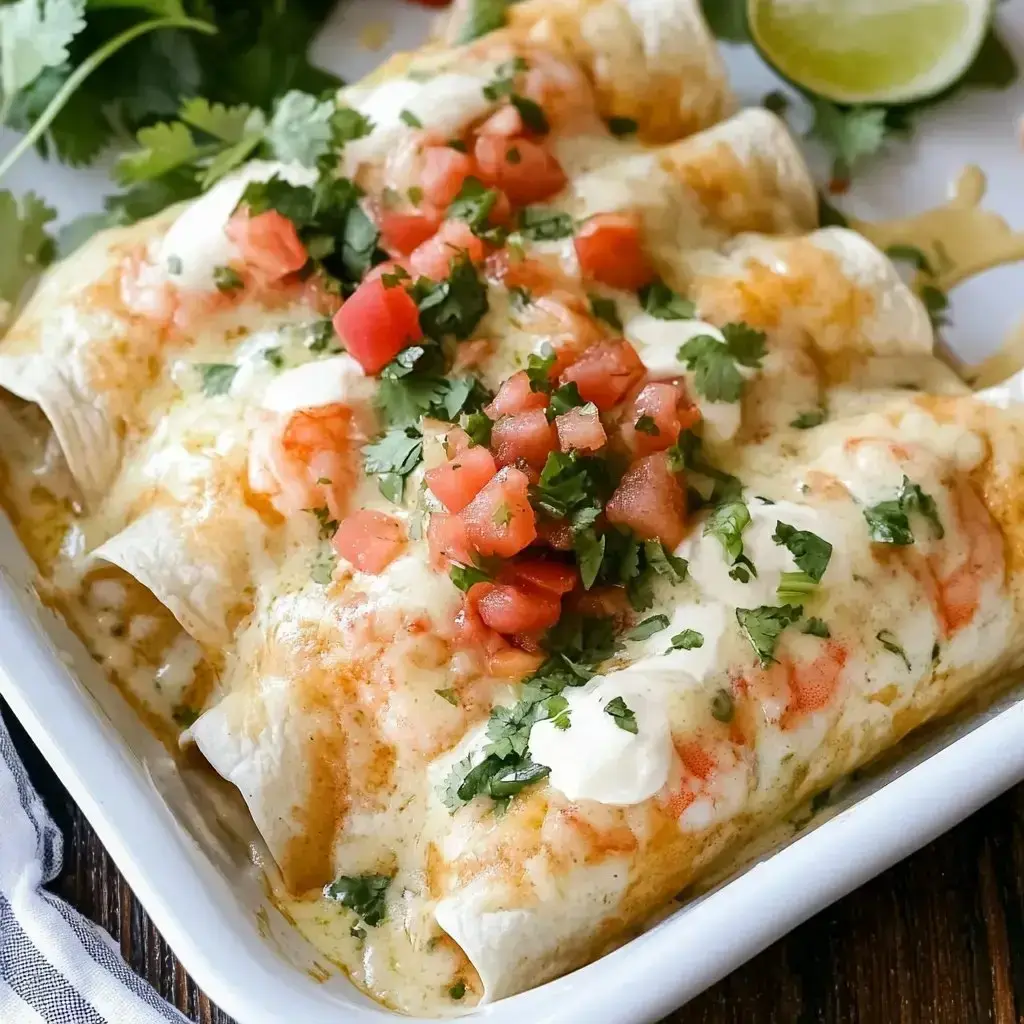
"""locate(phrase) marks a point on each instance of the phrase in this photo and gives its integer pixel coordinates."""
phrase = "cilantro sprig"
(717, 363)
(889, 521)
(763, 626)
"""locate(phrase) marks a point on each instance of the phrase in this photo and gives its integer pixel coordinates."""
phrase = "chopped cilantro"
(910, 254)
(817, 627)
(715, 362)
(663, 303)
(810, 552)
(185, 715)
(465, 576)
(473, 204)
(936, 303)
(620, 126)
(647, 628)
(322, 336)
(216, 378)
(449, 695)
(605, 309)
(727, 523)
(888, 640)
(795, 587)
(503, 83)
(458, 145)
(558, 711)
(328, 526)
(565, 398)
(913, 499)
(365, 894)
(722, 708)
(687, 640)
(625, 719)
(889, 521)
(409, 118)
(455, 305)
(458, 990)
(540, 224)
(392, 457)
(274, 356)
(743, 570)
(227, 279)
(538, 370)
(764, 625)
(806, 420)
(481, 17)
(645, 425)
(532, 114)
(321, 569)
(478, 426)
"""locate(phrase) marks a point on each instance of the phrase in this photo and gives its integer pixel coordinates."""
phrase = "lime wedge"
(870, 51)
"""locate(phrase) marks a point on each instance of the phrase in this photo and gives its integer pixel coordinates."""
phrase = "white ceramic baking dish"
(194, 876)
(181, 839)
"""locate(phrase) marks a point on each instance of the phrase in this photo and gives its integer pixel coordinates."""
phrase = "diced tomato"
(556, 534)
(269, 244)
(510, 609)
(605, 372)
(459, 480)
(448, 541)
(499, 520)
(555, 577)
(523, 435)
(651, 501)
(580, 429)
(663, 410)
(455, 441)
(610, 250)
(516, 395)
(376, 322)
(434, 256)
(445, 170)
(523, 169)
(402, 231)
(369, 540)
(504, 122)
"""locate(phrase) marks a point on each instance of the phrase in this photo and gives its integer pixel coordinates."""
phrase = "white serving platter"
(181, 841)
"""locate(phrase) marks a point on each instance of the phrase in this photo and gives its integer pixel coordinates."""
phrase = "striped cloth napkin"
(55, 966)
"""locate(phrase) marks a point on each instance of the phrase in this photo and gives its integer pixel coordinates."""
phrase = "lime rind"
(870, 51)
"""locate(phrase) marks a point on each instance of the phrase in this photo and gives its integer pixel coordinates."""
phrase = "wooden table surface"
(936, 940)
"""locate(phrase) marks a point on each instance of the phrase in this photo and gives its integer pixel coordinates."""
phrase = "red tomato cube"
(499, 520)
(580, 429)
(651, 501)
(370, 540)
(605, 372)
(376, 322)
(610, 250)
(523, 435)
(456, 483)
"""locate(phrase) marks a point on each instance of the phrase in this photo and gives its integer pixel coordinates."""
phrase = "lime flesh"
(863, 50)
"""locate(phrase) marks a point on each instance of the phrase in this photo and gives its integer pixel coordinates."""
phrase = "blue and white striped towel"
(55, 966)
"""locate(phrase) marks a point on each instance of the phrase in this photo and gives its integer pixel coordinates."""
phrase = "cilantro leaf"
(727, 19)
(478, 426)
(722, 707)
(647, 628)
(412, 385)
(763, 626)
(538, 370)
(662, 302)
(849, 134)
(687, 640)
(817, 627)
(473, 204)
(465, 576)
(806, 420)
(540, 224)
(301, 130)
(216, 378)
(888, 523)
(625, 719)
(727, 523)
(621, 126)
(794, 586)
(532, 114)
(35, 35)
(483, 16)
(455, 305)
(365, 894)
(392, 457)
(27, 248)
(888, 640)
(162, 147)
(229, 124)
(810, 552)
(715, 362)
(565, 398)
(913, 499)
(606, 310)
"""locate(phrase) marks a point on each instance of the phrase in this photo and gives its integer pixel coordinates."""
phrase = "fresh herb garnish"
(227, 279)
(716, 362)
(795, 587)
(538, 370)
(216, 378)
(503, 83)
(727, 523)
(465, 576)
(532, 114)
(449, 695)
(606, 310)
(365, 894)
(645, 425)
(888, 640)
(817, 627)
(473, 204)
(764, 625)
(540, 224)
(625, 718)
(458, 990)
(647, 628)
(806, 420)
(454, 306)
(663, 303)
(477, 426)
(889, 521)
(620, 126)
(564, 398)
(810, 552)
(392, 457)
(409, 118)
(722, 707)
(687, 640)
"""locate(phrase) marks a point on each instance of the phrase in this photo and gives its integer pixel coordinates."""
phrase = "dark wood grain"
(939, 939)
